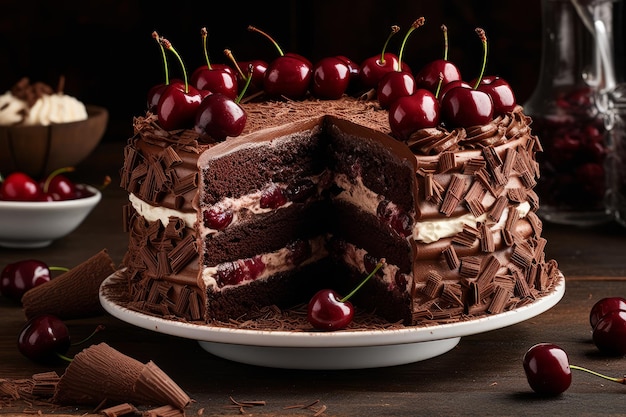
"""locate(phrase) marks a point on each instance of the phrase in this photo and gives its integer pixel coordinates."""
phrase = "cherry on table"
(18, 277)
(43, 338)
(609, 333)
(604, 306)
(547, 369)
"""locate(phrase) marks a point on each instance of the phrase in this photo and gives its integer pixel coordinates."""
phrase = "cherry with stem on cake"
(604, 306)
(373, 68)
(500, 92)
(439, 72)
(177, 106)
(257, 73)
(328, 311)
(397, 83)
(213, 77)
(219, 117)
(154, 93)
(465, 107)
(330, 79)
(18, 186)
(409, 114)
(288, 75)
(18, 277)
(548, 370)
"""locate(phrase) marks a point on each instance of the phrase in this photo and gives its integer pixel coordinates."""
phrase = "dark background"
(108, 57)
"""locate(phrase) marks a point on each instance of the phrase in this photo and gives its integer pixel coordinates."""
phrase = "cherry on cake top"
(434, 96)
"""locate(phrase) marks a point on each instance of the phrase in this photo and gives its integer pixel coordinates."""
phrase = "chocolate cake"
(313, 194)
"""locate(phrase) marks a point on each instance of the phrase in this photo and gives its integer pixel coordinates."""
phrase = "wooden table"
(482, 375)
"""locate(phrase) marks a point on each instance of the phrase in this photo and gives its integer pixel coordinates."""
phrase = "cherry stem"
(483, 38)
(168, 45)
(105, 182)
(155, 35)
(394, 29)
(98, 328)
(245, 87)
(254, 29)
(444, 29)
(53, 174)
(58, 268)
(589, 371)
(229, 55)
(371, 274)
(205, 35)
(439, 85)
(419, 22)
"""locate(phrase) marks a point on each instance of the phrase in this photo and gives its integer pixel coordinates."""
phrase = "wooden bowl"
(39, 150)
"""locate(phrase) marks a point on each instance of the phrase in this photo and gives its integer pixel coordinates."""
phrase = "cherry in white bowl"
(36, 224)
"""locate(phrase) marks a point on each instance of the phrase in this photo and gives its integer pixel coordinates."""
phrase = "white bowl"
(25, 224)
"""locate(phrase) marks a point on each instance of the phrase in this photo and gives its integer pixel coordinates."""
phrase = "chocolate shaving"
(452, 260)
(433, 284)
(486, 239)
(171, 157)
(473, 165)
(446, 162)
(470, 267)
(499, 300)
(452, 294)
(453, 195)
(498, 208)
(467, 236)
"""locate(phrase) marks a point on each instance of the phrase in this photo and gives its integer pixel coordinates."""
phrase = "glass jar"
(569, 107)
(617, 157)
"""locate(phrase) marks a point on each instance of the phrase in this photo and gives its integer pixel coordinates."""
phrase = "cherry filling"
(272, 197)
(299, 251)
(393, 216)
(233, 273)
(216, 218)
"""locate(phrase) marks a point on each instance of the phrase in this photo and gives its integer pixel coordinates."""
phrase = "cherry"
(500, 92)
(289, 75)
(465, 107)
(331, 78)
(254, 68)
(604, 306)
(547, 369)
(449, 86)
(327, 311)
(609, 333)
(216, 218)
(155, 92)
(19, 186)
(18, 277)
(397, 83)
(178, 103)
(438, 72)
(272, 197)
(354, 69)
(214, 78)
(373, 68)
(44, 338)
(418, 111)
(219, 117)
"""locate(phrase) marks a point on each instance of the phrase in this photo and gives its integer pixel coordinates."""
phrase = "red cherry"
(465, 107)
(177, 107)
(418, 111)
(500, 92)
(154, 94)
(373, 69)
(393, 85)
(287, 76)
(609, 333)
(216, 81)
(428, 77)
(354, 69)
(219, 117)
(328, 311)
(18, 186)
(43, 338)
(258, 67)
(449, 86)
(18, 277)
(604, 306)
(547, 369)
(330, 79)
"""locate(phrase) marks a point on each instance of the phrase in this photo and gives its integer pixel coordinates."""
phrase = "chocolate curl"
(100, 374)
(74, 294)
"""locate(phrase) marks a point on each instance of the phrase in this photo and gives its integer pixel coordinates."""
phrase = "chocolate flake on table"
(119, 410)
(100, 373)
(74, 294)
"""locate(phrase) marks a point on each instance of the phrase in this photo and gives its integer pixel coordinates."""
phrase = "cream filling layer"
(274, 263)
